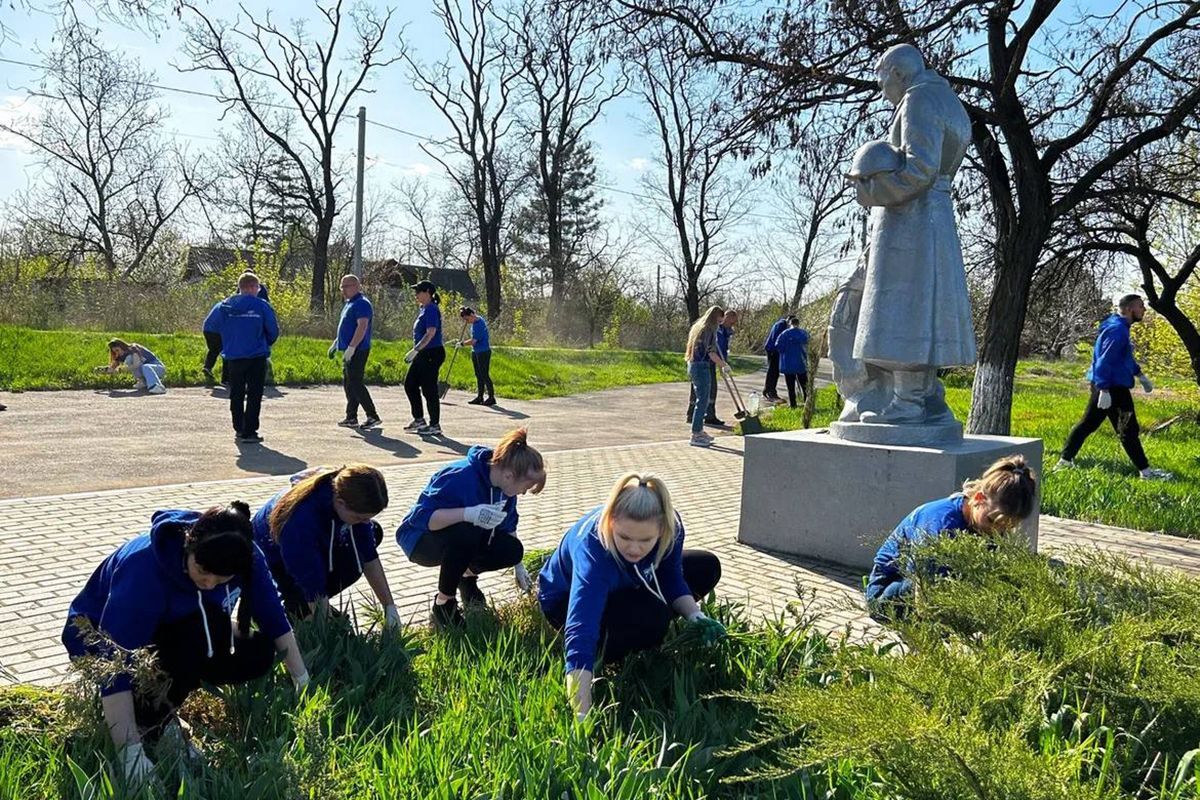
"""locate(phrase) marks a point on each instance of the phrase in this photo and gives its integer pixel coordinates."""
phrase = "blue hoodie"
(926, 522)
(479, 332)
(459, 484)
(1112, 355)
(582, 573)
(776, 329)
(315, 548)
(724, 334)
(144, 584)
(792, 345)
(247, 326)
(212, 322)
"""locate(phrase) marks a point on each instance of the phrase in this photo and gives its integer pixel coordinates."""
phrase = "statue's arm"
(921, 135)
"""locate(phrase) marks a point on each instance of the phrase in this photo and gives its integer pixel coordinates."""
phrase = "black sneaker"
(370, 422)
(491, 401)
(349, 422)
(250, 438)
(469, 593)
(447, 615)
(478, 401)
(713, 421)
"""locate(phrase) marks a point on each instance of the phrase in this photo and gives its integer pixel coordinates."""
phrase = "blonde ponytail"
(639, 498)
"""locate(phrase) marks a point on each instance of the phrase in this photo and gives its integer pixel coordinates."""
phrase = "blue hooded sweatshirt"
(779, 327)
(792, 345)
(315, 548)
(926, 522)
(247, 326)
(1112, 355)
(459, 484)
(212, 322)
(723, 336)
(581, 573)
(144, 584)
(479, 332)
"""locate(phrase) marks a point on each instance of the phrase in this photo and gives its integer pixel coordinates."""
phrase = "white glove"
(1104, 401)
(134, 763)
(332, 349)
(410, 355)
(349, 354)
(300, 681)
(1146, 384)
(485, 516)
(524, 581)
(391, 618)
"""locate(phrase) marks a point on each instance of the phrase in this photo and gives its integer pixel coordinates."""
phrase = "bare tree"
(1058, 99)
(563, 74)
(472, 89)
(435, 227)
(603, 278)
(270, 74)
(110, 184)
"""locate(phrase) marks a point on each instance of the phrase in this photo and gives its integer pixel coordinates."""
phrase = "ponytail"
(361, 487)
(1012, 487)
(514, 454)
(639, 498)
(222, 542)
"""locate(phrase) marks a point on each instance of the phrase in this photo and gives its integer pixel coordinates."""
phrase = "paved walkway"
(49, 545)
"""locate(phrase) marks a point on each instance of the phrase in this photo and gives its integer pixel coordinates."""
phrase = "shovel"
(750, 423)
(444, 386)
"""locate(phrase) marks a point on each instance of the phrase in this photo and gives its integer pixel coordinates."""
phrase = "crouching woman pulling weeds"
(618, 577)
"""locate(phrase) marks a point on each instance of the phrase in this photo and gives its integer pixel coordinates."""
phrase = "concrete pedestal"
(810, 494)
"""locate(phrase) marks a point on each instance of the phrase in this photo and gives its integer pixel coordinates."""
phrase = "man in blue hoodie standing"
(1111, 374)
(771, 386)
(248, 328)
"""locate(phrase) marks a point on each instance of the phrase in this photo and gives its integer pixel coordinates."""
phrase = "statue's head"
(896, 70)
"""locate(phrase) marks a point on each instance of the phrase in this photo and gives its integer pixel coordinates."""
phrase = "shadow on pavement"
(398, 447)
(508, 412)
(257, 457)
(123, 392)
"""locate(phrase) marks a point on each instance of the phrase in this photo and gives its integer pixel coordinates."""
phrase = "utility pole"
(356, 268)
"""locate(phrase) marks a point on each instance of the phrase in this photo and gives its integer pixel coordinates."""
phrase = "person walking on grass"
(174, 588)
(425, 360)
(703, 360)
(1111, 376)
(992, 505)
(147, 369)
(618, 578)
(248, 328)
(771, 386)
(481, 356)
(792, 346)
(319, 536)
(465, 521)
(354, 341)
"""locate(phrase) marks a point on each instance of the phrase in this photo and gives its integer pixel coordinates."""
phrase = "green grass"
(1048, 401)
(36, 359)
(1019, 681)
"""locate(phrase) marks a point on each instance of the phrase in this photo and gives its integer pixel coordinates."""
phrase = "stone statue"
(905, 311)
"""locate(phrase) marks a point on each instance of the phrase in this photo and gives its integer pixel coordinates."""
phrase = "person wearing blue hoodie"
(994, 504)
(319, 536)
(174, 588)
(618, 577)
(425, 361)
(465, 521)
(481, 356)
(1111, 376)
(771, 387)
(792, 348)
(248, 328)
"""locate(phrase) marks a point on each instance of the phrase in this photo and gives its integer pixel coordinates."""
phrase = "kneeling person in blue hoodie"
(619, 575)
(174, 589)
(465, 521)
(320, 536)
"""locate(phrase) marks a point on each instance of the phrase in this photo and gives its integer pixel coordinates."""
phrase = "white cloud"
(639, 164)
(418, 169)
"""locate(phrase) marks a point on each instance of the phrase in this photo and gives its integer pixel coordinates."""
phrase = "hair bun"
(240, 507)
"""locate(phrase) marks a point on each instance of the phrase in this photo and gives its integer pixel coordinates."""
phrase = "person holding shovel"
(425, 360)
(481, 356)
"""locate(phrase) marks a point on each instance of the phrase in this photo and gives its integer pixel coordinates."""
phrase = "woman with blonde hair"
(703, 359)
(320, 536)
(618, 577)
(994, 504)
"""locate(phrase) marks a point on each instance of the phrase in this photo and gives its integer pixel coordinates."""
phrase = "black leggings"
(422, 379)
(634, 619)
(1124, 422)
(213, 340)
(793, 380)
(483, 373)
(354, 385)
(464, 546)
(344, 574)
(771, 385)
(183, 654)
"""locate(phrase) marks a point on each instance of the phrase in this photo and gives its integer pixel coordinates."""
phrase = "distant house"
(202, 261)
(396, 276)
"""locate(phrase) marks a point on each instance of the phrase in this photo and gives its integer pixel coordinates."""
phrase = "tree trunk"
(1184, 328)
(691, 298)
(316, 301)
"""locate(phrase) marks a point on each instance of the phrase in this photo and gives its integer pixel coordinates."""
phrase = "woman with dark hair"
(147, 369)
(425, 359)
(174, 588)
(481, 356)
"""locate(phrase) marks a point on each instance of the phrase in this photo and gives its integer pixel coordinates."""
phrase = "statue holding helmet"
(905, 312)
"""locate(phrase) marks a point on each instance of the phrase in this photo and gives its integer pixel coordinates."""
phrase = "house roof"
(395, 275)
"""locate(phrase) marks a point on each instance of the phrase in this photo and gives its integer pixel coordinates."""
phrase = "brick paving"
(49, 545)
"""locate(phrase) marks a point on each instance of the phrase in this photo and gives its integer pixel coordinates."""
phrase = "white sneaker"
(1064, 464)
(701, 440)
(1152, 474)
(157, 388)
(419, 422)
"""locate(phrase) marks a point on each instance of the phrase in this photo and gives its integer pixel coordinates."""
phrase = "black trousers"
(213, 340)
(465, 546)
(183, 654)
(245, 377)
(712, 394)
(344, 574)
(793, 380)
(422, 379)
(355, 386)
(1124, 422)
(771, 387)
(483, 373)
(636, 620)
